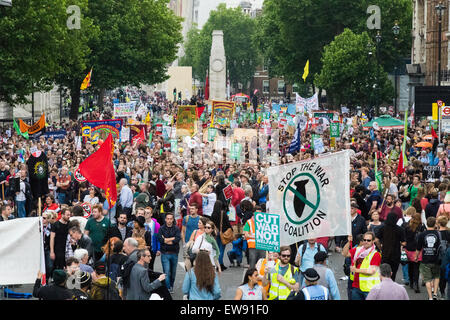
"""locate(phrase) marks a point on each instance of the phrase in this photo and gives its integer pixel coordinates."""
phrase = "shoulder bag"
(227, 236)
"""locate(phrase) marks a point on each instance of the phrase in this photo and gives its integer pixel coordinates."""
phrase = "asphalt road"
(231, 278)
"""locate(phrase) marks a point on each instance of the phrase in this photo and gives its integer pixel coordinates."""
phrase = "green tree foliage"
(291, 32)
(351, 74)
(240, 49)
(31, 32)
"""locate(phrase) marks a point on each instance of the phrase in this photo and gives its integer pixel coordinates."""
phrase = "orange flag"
(36, 127)
(98, 169)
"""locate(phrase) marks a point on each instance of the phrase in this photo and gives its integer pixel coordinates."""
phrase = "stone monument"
(217, 68)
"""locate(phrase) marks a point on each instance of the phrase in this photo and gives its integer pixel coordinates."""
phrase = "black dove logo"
(299, 205)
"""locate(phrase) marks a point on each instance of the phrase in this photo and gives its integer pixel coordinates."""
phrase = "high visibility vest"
(278, 289)
(261, 272)
(251, 241)
(162, 204)
(366, 282)
(316, 292)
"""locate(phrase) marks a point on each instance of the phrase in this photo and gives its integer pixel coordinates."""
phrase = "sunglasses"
(285, 255)
(367, 240)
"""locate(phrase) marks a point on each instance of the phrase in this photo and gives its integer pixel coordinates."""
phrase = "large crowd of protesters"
(167, 209)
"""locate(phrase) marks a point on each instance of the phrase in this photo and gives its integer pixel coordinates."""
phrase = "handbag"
(412, 254)
(227, 236)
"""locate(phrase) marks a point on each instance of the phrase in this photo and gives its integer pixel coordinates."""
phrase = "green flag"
(378, 175)
(149, 141)
(405, 131)
(19, 133)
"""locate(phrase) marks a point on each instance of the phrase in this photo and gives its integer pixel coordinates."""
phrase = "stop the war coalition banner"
(311, 197)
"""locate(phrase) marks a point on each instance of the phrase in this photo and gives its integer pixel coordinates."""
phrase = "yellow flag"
(306, 71)
(87, 81)
(147, 118)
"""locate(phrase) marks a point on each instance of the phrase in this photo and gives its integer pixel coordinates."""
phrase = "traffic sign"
(439, 103)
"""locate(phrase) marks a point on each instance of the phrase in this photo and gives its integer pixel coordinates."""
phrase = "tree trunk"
(75, 96)
(101, 95)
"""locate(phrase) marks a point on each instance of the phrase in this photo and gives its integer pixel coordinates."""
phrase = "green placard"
(334, 130)
(173, 145)
(313, 137)
(267, 231)
(235, 152)
(212, 134)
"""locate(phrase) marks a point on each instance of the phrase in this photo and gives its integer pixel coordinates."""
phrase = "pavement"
(232, 278)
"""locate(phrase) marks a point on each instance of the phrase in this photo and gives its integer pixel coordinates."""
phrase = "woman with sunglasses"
(207, 241)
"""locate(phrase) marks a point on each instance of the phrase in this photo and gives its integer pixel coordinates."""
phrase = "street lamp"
(378, 41)
(5, 3)
(440, 11)
(396, 31)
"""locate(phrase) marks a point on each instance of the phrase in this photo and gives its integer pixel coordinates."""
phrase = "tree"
(291, 32)
(240, 49)
(31, 32)
(351, 74)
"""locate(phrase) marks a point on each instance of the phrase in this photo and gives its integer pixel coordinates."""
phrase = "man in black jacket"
(121, 230)
(169, 236)
(55, 291)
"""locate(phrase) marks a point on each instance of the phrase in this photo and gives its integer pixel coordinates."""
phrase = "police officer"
(312, 291)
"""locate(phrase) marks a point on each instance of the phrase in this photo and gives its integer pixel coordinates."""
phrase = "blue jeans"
(61, 197)
(405, 205)
(21, 212)
(405, 272)
(221, 249)
(169, 263)
(358, 294)
(349, 288)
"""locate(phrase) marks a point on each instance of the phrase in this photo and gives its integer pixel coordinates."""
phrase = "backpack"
(113, 292)
(114, 271)
(304, 249)
(125, 272)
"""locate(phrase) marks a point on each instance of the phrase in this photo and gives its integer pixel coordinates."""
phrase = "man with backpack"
(429, 241)
(305, 255)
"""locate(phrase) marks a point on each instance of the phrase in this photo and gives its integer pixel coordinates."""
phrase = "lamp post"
(396, 31)
(378, 41)
(440, 11)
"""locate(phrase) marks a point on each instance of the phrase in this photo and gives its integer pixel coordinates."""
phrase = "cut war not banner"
(267, 231)
(312, 198)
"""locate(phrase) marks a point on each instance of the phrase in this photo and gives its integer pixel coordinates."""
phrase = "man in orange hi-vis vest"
(249, 233)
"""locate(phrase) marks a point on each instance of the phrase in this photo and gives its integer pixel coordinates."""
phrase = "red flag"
(400, 168)
(98, 169)
(199, 111)
(433, 133)
(207, 86)
(139, 138)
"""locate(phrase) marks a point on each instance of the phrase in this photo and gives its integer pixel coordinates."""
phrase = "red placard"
(228, 192)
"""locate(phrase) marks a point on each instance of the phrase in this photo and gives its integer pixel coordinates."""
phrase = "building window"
(280, 86)
(295, 88)
(266, 87)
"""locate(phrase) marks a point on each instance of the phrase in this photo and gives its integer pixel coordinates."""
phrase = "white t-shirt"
(201, 243)
(400, 221)
(81, 220)
(208, 203)
(88, 199)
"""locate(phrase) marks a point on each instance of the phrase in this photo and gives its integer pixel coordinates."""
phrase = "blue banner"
(60, 134)
(104, 127)
(291, 109)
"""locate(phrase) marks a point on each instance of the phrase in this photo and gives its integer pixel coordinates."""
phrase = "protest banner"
(125, 110)
(222, 113)
(334, 130)
(267, 231)
(136, 129)
(228, 192)
(312, 198)
(104, 127)
(186, 121)
(20, 251)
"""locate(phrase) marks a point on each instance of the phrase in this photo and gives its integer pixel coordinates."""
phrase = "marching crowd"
(165, 210)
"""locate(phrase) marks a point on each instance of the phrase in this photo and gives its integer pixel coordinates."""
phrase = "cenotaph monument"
(217, 68)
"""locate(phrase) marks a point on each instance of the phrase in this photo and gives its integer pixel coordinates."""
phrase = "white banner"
(125, 110)
(312, 197)
(307, 104)
(20, 251)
